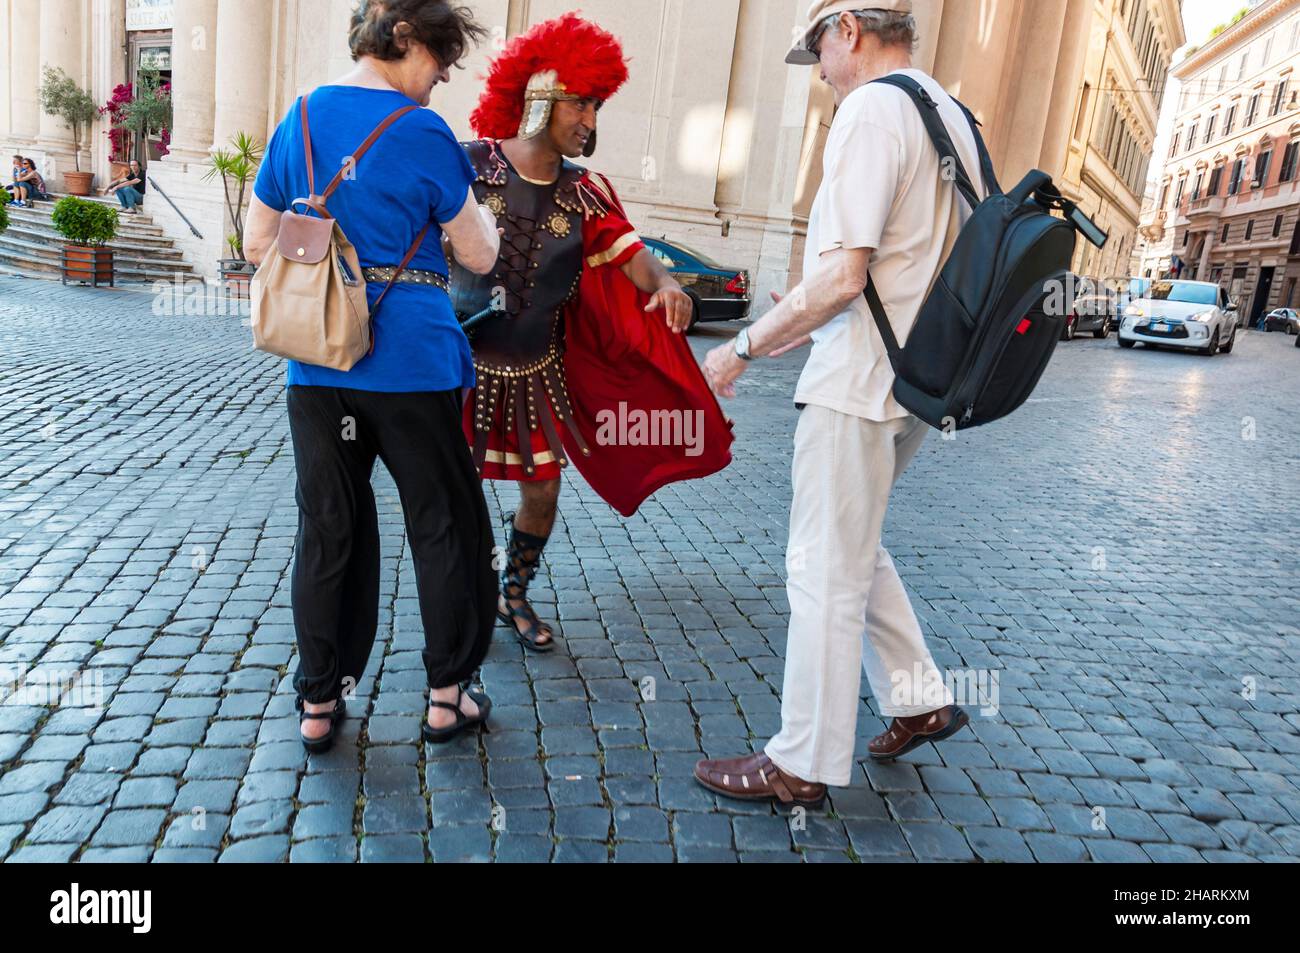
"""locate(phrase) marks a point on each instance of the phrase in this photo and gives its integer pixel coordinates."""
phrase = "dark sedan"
(1283, 319)
(719, 293)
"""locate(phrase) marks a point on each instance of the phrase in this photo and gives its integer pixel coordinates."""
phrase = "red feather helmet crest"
(564, 58)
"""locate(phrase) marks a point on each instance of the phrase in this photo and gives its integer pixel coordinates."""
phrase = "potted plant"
(62, 97)
(88, 227)
(237, 167)
(148, 113)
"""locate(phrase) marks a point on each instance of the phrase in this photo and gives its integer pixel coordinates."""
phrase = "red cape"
(623, 366)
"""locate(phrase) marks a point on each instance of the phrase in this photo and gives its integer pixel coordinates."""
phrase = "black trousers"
(337, 436)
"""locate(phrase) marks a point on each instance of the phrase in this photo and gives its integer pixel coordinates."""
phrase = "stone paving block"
(324, 850)
(392, 849)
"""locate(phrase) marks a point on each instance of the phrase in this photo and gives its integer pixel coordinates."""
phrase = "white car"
(1193, 315)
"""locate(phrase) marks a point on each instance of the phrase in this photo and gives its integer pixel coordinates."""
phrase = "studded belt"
(414, 276)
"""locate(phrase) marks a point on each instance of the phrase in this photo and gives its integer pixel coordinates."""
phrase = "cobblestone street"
(1123, 554)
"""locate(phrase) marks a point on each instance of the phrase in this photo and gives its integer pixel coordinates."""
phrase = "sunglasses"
(815, 44)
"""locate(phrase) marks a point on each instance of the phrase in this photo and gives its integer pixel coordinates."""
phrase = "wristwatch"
(742, 345)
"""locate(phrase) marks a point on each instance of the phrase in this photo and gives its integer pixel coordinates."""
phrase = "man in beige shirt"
(884, 205)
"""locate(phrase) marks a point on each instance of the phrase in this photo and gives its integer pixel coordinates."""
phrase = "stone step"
(141, 252)
(122, 274)
(127, 224)
(26, 257)
(144, 247)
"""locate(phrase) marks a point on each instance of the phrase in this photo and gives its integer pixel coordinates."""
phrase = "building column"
(61, 47)
(762, 136)
(24, 74)
(6, 34)
(1026, 100)
(243, 69)
(108, 69)
(194, 79)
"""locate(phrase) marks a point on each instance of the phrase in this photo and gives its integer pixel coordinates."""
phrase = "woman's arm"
(474, 237)
(260, 230)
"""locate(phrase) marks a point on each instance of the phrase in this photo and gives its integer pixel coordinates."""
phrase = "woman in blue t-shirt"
(402, 404)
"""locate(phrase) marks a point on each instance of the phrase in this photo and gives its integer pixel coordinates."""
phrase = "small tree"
(150, 109)
(62, 97)
(237, 167)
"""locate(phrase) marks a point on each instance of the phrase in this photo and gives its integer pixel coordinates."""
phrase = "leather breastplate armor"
(516, 312)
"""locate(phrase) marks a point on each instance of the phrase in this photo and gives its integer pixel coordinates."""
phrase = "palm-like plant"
(237, 167)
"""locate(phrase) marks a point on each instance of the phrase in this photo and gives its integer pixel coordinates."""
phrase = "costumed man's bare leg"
(529, 532)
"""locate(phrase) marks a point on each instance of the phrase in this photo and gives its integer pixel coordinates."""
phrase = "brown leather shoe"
(754, 778)
(908, 734)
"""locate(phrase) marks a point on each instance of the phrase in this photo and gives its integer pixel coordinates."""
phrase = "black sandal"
(334, 716)
(522, 558)
(438, 736)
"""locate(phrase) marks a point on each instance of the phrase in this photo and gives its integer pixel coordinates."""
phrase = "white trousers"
(848, 608)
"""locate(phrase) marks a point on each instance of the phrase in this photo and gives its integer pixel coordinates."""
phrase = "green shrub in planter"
(85, 223)
(4, 217)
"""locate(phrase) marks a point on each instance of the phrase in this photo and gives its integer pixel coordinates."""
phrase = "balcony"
(1154, 218)
(1210, 206)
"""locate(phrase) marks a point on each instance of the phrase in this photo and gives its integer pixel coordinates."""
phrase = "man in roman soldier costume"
(578, 333)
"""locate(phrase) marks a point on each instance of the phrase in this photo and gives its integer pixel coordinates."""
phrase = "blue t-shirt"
(416, 174)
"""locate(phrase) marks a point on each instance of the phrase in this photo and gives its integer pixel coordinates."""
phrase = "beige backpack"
(309, 294)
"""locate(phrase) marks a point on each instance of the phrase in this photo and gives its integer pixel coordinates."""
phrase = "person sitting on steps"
(129, 189)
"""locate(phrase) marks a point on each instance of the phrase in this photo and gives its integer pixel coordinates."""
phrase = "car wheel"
(1297, 340)
(1227, 348)
(1068, 333)
(695, 312)
(1102, 332)
(1212, 348)
(1123, 343)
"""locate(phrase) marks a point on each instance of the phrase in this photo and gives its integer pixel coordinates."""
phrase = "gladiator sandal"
(522, 558)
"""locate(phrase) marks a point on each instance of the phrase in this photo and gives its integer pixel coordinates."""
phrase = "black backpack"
(989, 327)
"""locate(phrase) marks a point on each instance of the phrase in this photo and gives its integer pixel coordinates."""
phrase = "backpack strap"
(364, 148)
(986, 162)
(317, 202)
(882, 323)
(938, 132)
(313, 200)
(419, 240)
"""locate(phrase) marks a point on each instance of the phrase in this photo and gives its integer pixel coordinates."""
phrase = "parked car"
(1094, 310)
(719, 293)
(1191, 315)
(1283, 319)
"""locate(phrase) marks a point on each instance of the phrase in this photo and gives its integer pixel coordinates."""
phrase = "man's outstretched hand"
(677, 307)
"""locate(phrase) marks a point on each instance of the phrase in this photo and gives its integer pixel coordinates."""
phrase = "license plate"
(1160, 328)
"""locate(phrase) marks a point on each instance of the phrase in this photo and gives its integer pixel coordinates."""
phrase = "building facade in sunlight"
(1227, 206)
(714, 143)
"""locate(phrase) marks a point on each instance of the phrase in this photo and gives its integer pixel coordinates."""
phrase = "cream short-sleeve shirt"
(881, 189)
